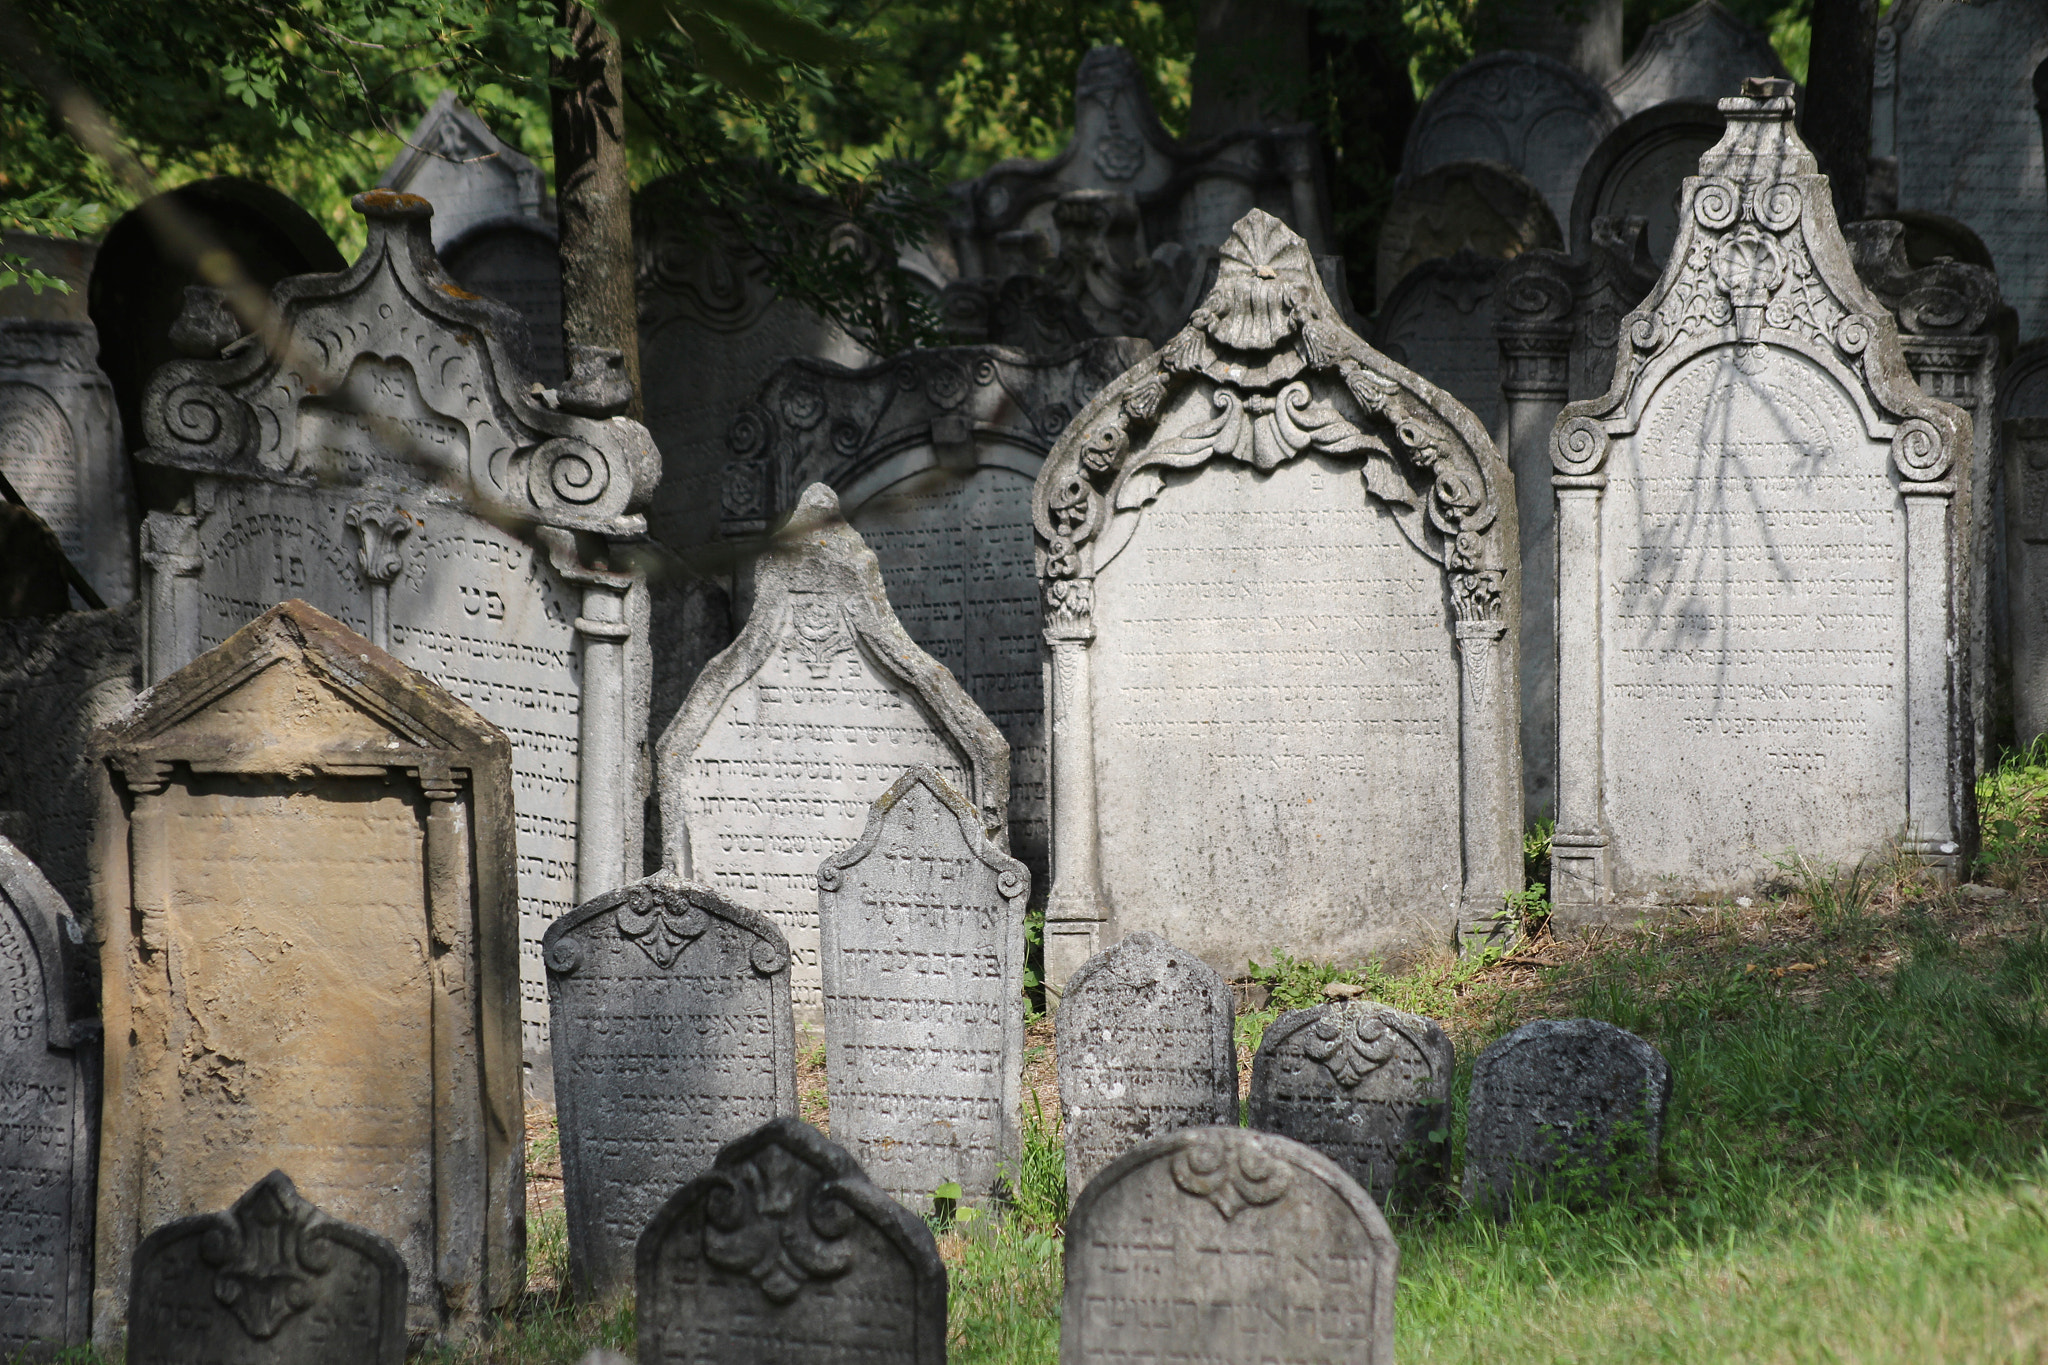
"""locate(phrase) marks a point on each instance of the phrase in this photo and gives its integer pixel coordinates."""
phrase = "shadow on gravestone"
(784, 1251)
(1639, 171)
(1369, 1087)
(922, 951)
(49, 1116)
(672, 1036)
(1227, 1245)
(1486, 207)
(1567, 1110)
(1438, 321)
(271, 1281)
(1696, 54)
(1144, 1037)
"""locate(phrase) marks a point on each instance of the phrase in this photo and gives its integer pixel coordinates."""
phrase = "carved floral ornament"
(266, 1253)
(1277, 366)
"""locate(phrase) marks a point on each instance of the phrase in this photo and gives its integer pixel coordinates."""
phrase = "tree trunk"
(1836, 119)
(594, 202)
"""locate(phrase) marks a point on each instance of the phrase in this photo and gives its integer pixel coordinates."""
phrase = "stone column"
(1073, 910)
(170, 605)
(1930, 824)
(1490, 817)
(459, 1161)
(1578, 849)
(602, 752)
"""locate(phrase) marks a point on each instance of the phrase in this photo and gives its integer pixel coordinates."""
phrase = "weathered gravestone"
(672, 1036)
(517, 262)
(1532, 112)
(1438, 321)
(468, 173)
(1279, 572)
(49, 1115)
(2022, 416)
(61, 451)
(1563, 1110)
(1144, 1041)
(1697, 54)
(784, 1252)
(1222, 1244)
(1638, 170)
(789, 734)
(922, 926)
(932, 454)
(312, 960)
(1758, 543)
(1367, 1086)
(1481, 206)
(1952, 102)
(386, 463)
(271, 1281)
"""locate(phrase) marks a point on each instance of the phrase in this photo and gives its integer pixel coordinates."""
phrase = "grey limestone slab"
(468, 173)
(1700, 53)
(1638, 171)
(517, 261)
(2022, 432)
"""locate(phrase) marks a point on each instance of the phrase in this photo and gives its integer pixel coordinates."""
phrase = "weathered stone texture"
(1483, 207)
(1638, 170)
(1698, 54)
(1438, 321)
(469, 174)
(61, 451)
(2022, 417)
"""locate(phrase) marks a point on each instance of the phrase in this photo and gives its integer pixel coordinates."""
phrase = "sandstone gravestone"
(1367, 1086)
(1439, 323)
(1222, 1244)
(922, 932)
(1532, 112)
(315, 842)
(672, 1036)
(1481, 206)
(1697, 54)
(932, 454)
(2022, 416)
(61, 451)
(1279, 573)
(1563, 1110)
(516, 261)
(789, 734)
(1638, 170)
(1758, 541)
(783, 1251)
(271, 1281)
(387, 463)
(49, 1115)
(1953, 105)
(1144, 1041)
(470, 175)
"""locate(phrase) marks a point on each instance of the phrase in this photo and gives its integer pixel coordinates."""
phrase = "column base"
(1068, 944)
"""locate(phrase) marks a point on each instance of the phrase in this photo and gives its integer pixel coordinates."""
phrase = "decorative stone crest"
(1350, 1046)
(266, 1254)
(1231, 1176)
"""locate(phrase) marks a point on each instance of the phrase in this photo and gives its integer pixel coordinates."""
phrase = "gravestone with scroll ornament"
(61, 451)
(1279, 568)
(1697, 54)
(1439, 323)
(790, 733)
(1480, 206)
(386, 462)
(672, 1037)
(1758, 540)
(1638, 170)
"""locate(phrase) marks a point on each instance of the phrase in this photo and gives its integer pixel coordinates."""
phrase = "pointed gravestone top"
(471, 176)
(1698, 54)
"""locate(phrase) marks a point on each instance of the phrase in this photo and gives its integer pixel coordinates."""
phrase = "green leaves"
(742, 44)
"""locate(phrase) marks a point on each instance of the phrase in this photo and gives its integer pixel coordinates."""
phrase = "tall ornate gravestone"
(922, 927)
(1953, 104)
(269, 1281)
(312, 959)
(1532, 112)
(672, 1036)
(1438, 322)
(932, 454)
(1696, 54)
(386, 463)
(1279, 569)
(61, 451)
(2022, 417)
(1366, 1085)
(1144, 1041)
(1638, 170)
(1758, 548)
(1563, 1110)
(1223, 1244)
(790, 733)
(49, 1115)
(784, 1251)
(469, 174)
(1480, 206)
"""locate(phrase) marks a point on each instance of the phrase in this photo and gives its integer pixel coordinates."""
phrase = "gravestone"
(1638, 169)
(783, 1251)
(49, 1115)
(1367, 1086)
(922, 926)
(1144, 1041)
(320, 839)
(271, 1281)
(932, 454)
(1439, 323)
(2022, 417)
(469, 174)
(672, 1036)
(1697, 54)
(790, 733)
(1223, 1244)
(1563, 1109)
(1953, 105)
(1279, 572)
(1758, 539)
(1480, 206)
(1532, 112)
(386, 462)
(516, 262)
(61, 451)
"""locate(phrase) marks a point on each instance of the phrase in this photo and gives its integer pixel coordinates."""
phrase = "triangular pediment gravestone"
(1760, 527)
(1280, 572)
(61, 450)
(468, 173)
(789, 734)
(1696, 54)
(321, 839)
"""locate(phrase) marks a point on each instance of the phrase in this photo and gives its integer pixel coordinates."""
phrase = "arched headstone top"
(1637, 169)
(311, 403)
(1487, 207)
(68, 1019)
(1694, 55)
(2023, 386)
